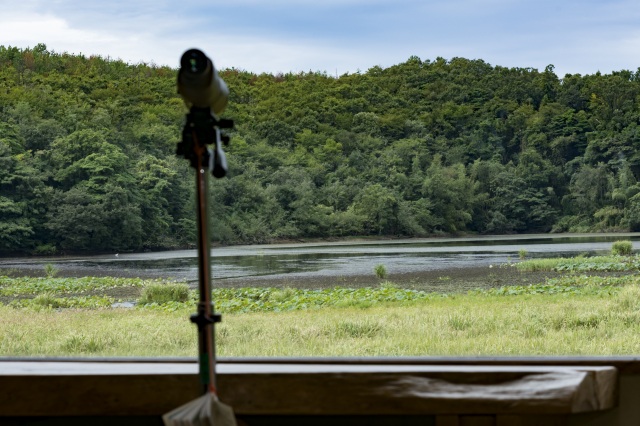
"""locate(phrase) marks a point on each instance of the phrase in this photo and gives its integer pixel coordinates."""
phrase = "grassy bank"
(606, 322)
(461, 325)
(581, 315)
(582, 264)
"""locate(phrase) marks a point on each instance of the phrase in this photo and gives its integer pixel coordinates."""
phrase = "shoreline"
(346, 241)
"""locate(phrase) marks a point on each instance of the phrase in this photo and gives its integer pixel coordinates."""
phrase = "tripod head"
(206, 94)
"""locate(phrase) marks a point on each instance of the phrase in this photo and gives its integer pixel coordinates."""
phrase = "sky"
(335, 36)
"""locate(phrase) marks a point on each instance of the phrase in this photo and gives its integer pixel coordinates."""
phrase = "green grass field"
(474, 324)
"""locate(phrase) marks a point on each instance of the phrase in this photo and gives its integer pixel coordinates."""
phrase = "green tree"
(379, 206)
(451, 194)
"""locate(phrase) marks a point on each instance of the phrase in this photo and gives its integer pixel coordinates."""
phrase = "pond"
(331, 261)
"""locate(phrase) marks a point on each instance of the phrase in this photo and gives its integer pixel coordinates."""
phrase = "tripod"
(202, 145)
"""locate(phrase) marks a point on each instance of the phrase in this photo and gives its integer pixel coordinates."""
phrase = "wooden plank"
(477, 421)
(142, 395)
(51, 388)
(568, 391)
(448, 420)
(532, 420)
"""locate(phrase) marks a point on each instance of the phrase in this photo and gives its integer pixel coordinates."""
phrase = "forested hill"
(421, 148)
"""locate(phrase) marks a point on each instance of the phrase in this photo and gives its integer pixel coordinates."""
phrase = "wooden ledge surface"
(104, 388)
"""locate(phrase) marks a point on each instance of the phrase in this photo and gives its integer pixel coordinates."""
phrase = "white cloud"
(273, 55)
(335, 35)
(52, 29)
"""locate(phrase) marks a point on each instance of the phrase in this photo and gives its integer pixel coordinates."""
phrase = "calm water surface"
(345, 259)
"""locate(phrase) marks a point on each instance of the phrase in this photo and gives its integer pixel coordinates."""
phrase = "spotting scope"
(199, 83)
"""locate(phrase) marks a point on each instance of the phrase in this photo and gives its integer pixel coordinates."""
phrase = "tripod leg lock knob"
(202, 320)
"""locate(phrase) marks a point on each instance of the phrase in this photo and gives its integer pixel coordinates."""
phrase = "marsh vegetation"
(592, 306)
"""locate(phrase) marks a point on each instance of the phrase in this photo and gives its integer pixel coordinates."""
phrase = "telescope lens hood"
(194, 61)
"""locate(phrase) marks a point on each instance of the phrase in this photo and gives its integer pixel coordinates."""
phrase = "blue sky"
(336, 36)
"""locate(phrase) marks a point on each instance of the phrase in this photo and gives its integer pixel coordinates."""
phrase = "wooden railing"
(467, 391)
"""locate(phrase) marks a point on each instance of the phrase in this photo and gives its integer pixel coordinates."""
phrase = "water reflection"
(330, 259)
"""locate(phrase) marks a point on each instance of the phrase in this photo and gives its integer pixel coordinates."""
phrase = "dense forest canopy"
(87, 153)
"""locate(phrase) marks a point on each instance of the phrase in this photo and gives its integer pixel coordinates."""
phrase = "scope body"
(199, 83)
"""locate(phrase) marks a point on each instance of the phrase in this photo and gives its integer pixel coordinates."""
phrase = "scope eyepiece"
(199, 83)
(194, 61)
